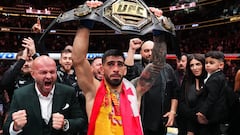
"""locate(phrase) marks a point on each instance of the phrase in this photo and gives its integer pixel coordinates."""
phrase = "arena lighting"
(5, 29)
(53, 31)
(195, 25)
(90, 56)
(30, 10)
(183, 6)
(234, 19)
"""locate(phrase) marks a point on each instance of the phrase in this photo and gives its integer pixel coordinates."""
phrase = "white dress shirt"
(45, 104)
(46, 108)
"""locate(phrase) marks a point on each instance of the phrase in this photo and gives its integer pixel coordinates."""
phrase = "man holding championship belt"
(112, 105)
(123, 16)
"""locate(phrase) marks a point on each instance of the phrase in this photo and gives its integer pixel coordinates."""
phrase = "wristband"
(87, 23)
(35, 55)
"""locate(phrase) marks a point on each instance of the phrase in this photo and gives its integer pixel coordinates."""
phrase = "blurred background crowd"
(217, 22)
(201, 26)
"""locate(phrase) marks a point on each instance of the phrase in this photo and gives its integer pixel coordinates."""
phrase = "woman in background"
(191, 93)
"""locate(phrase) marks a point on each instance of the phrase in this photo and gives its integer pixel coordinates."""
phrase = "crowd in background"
(224, 38)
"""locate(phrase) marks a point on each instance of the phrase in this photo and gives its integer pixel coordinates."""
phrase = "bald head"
(43, 61)
(146, 51)
(147, 44)
(44, 72)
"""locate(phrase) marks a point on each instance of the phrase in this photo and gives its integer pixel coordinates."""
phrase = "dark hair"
(189, 74)
(216, 55)
(112, 52)
(184, 54)
(66, 51)
(92, 60)
(190, 77)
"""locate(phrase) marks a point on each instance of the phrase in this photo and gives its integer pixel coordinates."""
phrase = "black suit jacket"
(157, 101)
(214, 106)
(64, 102)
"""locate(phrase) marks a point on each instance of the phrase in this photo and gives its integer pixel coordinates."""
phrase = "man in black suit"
(44, 107)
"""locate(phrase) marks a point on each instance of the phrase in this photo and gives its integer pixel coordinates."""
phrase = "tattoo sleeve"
(152, 70)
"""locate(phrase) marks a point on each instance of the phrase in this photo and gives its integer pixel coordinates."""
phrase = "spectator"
(181, 68)
(19, 74)
(180, 73)
(135, 69)
(191, 95)
(154, 119)
(66, 75)
(56, 109)
(213, 110)
(96, 66)
(68, 47)
(65, 71)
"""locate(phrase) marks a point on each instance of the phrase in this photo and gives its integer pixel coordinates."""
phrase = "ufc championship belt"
(124, 16)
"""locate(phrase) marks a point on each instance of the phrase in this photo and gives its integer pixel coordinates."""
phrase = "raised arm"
(11, 74)
(81, 64)
(132, 70)
(134, 44)
(152, 70)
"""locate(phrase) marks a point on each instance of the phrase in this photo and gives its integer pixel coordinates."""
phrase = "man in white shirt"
(44, 107)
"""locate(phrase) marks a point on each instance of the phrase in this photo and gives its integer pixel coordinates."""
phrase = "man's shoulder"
(64, 87)
(217, 75)
(217, 78)
(24, 90)
(25, 87)
(138, 64)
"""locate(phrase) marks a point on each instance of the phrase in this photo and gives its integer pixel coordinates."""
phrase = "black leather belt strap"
(124, 16)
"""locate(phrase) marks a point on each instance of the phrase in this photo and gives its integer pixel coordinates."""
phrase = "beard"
(67, 68)
(146, 61)
(113, 82)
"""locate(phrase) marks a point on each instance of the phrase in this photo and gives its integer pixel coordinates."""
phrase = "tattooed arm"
(151, 71)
